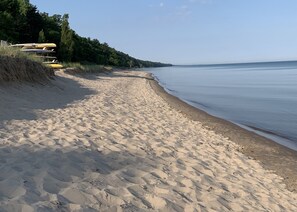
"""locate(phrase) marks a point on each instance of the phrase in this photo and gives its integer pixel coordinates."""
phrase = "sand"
(110, 143)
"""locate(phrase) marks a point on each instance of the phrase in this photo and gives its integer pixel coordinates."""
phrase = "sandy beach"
(117, 142)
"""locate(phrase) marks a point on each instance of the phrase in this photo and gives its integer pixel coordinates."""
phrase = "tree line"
(21, 22)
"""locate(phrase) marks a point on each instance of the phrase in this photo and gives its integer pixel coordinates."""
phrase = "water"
(261, 97)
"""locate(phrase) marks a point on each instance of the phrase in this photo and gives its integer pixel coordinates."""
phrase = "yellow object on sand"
(54, 65)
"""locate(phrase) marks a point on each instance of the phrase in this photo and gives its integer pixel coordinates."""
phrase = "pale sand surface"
(110, 143)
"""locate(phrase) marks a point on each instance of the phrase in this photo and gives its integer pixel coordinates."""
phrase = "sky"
(187, 31)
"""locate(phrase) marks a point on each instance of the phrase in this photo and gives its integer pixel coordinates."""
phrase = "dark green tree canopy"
(21, 22)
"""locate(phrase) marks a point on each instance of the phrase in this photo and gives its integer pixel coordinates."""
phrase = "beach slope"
(109, 143)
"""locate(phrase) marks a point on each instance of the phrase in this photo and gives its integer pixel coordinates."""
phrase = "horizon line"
(235, 63)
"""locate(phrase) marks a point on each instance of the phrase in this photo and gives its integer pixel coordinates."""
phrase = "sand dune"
(109, 143)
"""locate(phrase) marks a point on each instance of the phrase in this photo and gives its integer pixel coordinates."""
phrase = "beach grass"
(18, 66)
(16, 53)
(78, 68)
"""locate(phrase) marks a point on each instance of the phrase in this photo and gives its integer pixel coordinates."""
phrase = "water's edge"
(272, 155)
(267, 134)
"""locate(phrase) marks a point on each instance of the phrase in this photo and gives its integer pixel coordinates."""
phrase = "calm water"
(259, 96)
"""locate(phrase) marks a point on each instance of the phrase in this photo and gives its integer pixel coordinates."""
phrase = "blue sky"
(187, 31)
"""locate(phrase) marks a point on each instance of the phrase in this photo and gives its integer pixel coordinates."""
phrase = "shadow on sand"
(113, 74)
(20, 101)
(132, 76)
(38, 170)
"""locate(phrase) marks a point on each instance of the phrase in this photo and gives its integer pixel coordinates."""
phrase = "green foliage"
(77, 68)
(21, 22)
(66, 42)
(41, 37)
(16, 53)
(52, 27)
(23, 6)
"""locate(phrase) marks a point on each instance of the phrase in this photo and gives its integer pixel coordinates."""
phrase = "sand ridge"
(114, 145)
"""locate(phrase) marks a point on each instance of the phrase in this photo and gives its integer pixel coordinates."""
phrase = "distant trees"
(21, 22)
(66, 42)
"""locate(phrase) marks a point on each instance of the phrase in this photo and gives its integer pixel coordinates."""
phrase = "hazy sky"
(187, 31)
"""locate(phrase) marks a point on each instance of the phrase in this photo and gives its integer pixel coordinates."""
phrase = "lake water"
(261, 97)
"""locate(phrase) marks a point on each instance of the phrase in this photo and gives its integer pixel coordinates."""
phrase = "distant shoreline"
(240, 63)
(272, 155)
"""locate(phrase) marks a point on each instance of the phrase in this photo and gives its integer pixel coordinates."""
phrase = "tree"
(9, 10)
(41, 37)
(52, 27)
(130, 62)
(66, 43)
(23, 6)
(34, 24)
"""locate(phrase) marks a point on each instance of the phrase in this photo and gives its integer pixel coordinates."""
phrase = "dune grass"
(77, 68)
(18, 66)
(16, 53)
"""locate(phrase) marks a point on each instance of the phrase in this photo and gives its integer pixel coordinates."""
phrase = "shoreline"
(273, 156)
(109, 142)
(270, 135)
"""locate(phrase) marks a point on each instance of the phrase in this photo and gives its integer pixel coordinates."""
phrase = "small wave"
(174, 91)
(270, 132)
(198, 103)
